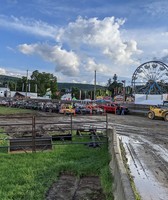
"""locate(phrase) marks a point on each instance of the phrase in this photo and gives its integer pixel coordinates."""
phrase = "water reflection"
(146, 183)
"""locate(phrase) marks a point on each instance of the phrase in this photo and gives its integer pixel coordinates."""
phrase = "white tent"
(150, 99)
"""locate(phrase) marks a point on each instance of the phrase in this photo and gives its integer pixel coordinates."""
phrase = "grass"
(3, 142)
(9, 110)
(28, 176)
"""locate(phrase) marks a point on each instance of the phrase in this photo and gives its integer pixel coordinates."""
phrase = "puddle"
(146, 183)
(161, 151)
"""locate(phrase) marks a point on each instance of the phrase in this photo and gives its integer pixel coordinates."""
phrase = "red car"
(114, 108)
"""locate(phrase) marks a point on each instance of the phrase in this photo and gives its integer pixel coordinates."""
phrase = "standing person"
(122, 111)
(118, 110)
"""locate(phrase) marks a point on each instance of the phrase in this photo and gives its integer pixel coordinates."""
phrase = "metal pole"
(124, 90)
(26, 82)
(106, 123)
(36, 88)
(71, 124)
(80, 94)
(95, 86)
(33, 135)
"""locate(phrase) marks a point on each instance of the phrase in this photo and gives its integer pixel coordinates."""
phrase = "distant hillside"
(81, 86)
(4, 78)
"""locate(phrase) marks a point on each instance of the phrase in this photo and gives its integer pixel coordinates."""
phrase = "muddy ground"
(70, 187)
(146, 145)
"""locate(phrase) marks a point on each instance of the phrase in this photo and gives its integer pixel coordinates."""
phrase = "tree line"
(43, 82)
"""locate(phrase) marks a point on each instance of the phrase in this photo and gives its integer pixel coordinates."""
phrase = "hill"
(4, 78)
(81, 86)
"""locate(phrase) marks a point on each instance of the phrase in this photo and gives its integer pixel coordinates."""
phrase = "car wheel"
(151, 115)
(166, 117)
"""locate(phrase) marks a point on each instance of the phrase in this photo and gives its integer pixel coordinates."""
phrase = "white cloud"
(66, 62)
(153, 42)
(2, 71)
(11, 49)
(91, 66)
(163, 56)
(94, 45)
(157, 8)
(83, 82)
(12, 72)
(102, 36)
(28, 25)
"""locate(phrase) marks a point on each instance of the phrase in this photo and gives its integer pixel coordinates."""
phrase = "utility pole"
(26, 82)
(124, 92)
(80, 94)
(95, 86)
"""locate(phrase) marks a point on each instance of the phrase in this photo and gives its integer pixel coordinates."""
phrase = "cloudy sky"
(73, 38)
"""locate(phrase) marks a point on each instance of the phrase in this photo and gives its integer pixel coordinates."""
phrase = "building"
(4, 92)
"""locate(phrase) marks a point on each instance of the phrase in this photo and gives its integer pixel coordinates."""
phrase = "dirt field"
(70, 187)
(146, 145)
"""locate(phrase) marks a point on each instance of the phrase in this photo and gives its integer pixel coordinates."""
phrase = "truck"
(159, 111)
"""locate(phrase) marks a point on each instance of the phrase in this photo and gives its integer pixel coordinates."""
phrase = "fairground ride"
(150, 78)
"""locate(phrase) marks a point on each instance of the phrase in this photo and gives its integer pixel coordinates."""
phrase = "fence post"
(33, 135)
(106, 123)
(71, 124)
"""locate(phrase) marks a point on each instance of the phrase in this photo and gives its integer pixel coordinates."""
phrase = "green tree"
(53, 88)
(21, 84)
(75, 92)
(12, 85)
(115, 78)
(114, 87)
(44, 81)
(109, 82)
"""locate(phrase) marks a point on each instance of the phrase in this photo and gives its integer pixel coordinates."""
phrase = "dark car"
(82, 110)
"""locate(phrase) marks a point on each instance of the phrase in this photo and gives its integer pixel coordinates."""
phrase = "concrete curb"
(121, 186)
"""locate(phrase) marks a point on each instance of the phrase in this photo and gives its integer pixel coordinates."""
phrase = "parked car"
(95, 109)
(82, 110)
(114, 108)
(66, 109)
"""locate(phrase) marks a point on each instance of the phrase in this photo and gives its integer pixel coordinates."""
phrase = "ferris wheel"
(150, 78)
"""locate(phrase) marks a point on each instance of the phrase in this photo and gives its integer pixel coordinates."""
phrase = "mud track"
(146, 145)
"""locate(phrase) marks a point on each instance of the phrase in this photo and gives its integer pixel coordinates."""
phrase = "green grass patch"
(85, 138)
(106, 182)
(9, 110)
(3, 142)
(28, 176)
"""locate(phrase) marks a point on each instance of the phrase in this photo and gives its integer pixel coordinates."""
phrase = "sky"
(73, 38)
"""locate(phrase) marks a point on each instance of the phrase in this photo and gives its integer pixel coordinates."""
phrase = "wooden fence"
(39, 133)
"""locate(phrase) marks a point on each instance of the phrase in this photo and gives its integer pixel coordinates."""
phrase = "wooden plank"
(25, 144)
